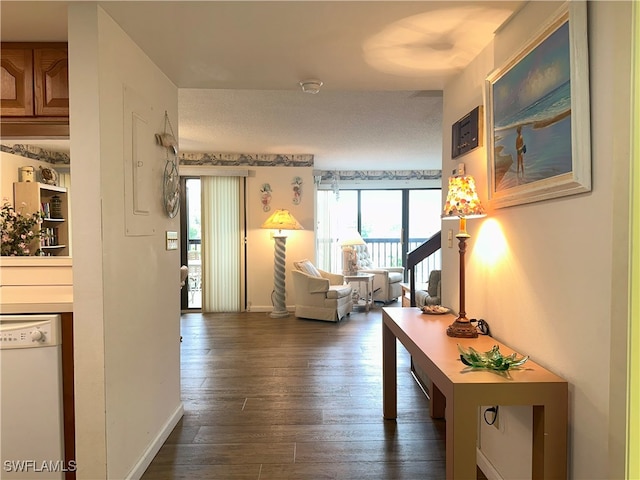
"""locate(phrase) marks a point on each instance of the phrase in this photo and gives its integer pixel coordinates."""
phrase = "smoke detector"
(311, 86)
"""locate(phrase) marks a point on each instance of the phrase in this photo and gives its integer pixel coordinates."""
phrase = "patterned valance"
(246, 159)
(37, 153)
(330, 177)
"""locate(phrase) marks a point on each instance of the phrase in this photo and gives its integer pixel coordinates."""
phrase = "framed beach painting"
(538, 115)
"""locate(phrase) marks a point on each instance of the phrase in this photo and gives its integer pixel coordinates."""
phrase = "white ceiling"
(238, 64)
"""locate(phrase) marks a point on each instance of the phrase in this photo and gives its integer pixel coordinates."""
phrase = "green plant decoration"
(492, 360)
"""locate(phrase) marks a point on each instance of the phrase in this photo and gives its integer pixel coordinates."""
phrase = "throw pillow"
(307, 267)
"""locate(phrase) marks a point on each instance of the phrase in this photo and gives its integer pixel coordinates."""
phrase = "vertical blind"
(221, 244)
(328, 255)
(323, 231)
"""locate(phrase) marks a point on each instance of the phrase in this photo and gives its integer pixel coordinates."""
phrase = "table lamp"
(280, 220)
(350, 239)
(462, 203)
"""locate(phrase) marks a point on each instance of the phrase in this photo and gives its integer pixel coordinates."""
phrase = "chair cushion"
(423, 298)
(339, 291)
(307, 267)
(395, 277)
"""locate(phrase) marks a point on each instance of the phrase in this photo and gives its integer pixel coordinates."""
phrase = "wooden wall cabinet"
(37, 197)
(51, 81)
(17, 82)
(35, 88)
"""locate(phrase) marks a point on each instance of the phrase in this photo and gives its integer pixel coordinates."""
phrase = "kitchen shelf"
(37, 197)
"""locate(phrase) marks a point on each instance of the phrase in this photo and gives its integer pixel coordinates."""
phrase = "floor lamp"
(462, 203)
(280, 220)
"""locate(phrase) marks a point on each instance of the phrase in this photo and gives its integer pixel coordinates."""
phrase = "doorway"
(213, 243)
(191, 234)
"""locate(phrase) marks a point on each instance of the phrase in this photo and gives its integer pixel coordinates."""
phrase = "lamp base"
(279, 314)
(462, 329)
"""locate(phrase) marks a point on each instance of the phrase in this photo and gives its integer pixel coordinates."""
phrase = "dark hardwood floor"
(295, 399)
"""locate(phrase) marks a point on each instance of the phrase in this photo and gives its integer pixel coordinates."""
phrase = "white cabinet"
(32, 197)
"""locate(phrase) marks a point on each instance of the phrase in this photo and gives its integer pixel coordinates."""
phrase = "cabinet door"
(16, 73)
(51, 73)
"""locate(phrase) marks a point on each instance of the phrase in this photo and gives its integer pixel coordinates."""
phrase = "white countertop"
(18, 308)
(33, 261)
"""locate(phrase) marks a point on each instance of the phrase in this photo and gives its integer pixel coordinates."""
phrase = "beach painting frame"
(538, 115)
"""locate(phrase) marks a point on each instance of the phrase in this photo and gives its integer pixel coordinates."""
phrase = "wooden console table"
(462, 391)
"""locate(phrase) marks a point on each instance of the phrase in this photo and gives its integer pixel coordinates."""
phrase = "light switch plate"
(172, 240)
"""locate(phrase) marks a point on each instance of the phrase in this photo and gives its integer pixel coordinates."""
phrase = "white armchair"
(386, 280)
(320, 295)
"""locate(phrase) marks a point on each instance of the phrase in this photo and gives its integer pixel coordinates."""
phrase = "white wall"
(545, 275)
(126, 288)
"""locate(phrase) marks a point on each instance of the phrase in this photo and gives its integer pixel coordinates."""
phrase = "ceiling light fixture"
(311, 86)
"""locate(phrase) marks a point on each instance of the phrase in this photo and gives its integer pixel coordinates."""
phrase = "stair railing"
(417, 255)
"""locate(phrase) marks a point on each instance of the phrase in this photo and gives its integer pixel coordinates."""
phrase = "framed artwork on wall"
(538, 115)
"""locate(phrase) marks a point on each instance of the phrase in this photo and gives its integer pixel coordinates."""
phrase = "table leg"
(437, 401)
(367, 299)
(462, 432)
(389, 374)
(550, 439)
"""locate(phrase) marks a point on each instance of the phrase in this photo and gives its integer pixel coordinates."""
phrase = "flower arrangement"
(17, 230)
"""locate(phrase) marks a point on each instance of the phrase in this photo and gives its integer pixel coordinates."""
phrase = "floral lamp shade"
(462, 199)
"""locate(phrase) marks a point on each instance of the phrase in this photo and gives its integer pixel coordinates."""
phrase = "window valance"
(375, 179)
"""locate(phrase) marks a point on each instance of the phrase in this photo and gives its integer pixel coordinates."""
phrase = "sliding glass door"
(392, 222)
(191, 231)
(423, 221)
(381, 225)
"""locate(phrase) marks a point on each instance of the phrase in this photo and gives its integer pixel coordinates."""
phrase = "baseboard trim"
(486, 466)
(145, 460)
(268, 308)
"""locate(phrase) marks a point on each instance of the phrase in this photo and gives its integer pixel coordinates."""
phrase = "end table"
(367, 280)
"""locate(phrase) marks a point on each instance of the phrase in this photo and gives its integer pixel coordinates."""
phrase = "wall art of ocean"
(546, 129)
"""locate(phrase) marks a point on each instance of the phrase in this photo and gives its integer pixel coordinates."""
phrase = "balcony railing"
(387, 252)
(194, 263)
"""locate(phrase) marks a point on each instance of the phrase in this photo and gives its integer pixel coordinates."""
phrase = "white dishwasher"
(31, 417)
